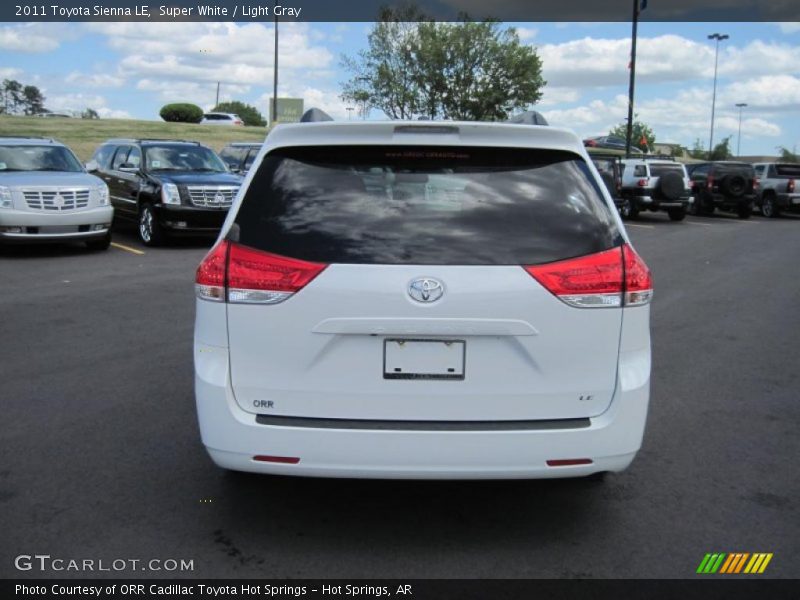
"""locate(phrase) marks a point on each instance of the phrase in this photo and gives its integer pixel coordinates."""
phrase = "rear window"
(721, 169)
(424, 205)
(788, 170)
(659, 170)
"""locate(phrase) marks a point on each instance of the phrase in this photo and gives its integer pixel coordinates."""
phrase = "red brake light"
(251, 276)
(710, 181)
(605, 279)
(210, 277)
(756, 183)
(642, 183)
(790, 186)
(589, 143)
(569, 462)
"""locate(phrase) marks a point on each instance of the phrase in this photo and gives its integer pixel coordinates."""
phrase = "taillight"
(248, 276)
(710, 181)
(210, 277)
(608, 279)
(790, 186)
(756, 183)
(642, 183)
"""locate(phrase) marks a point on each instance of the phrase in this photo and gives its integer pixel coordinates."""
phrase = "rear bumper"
(28, 226)
(645, 201)
(233, 438)
(788, 201)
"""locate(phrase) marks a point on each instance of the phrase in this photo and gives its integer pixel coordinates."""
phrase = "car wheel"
(150, 232)
(102, 244)
(768, 208)
(628, 210)
(676, 214)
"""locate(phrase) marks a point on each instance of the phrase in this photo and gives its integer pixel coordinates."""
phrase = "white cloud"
(9, 72)
(94, 80)
(200, 93)
(594, 62)
(552, 96)
(789, 27)
(526, 33)
(36, 37)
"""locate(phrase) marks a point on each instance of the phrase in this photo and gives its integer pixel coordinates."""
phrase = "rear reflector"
(569, 462)
(790, 186)
(244, 275)
(287, 460)
(606, 279)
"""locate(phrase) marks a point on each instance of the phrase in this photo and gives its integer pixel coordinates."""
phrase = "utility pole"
(718, 37)
(349, 112)
(740, 106)
(637, 7)
(216, 104)
(275, 71)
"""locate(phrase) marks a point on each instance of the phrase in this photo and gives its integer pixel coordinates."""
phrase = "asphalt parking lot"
(102, 457)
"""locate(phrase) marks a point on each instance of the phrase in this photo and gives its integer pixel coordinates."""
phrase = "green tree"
(249, 114)
(642, 135)
(12, 96)
(32, 100)
(90, 113)
(788, 155)
(722, 151)
(415, 67)
(698, 150)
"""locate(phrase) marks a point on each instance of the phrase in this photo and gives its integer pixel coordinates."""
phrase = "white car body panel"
(529, 358)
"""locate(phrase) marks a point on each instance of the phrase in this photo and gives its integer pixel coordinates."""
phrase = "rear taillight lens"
(608, 279)
(710, 181)
(756, 183)
(244, 275)
(790, 186)
(210, 277)
(642, 183)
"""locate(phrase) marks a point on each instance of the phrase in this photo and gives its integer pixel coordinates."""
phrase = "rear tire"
(676, 214)
(769, 208)
(628, 210)
(102, 244)
(150, 232)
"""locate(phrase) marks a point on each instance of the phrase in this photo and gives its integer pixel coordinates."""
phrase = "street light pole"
(740, 106)
(632, 67)
(718, 37)
(275, 72)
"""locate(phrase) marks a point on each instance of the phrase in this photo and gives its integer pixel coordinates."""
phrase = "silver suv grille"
(212, 196)
(56, 200)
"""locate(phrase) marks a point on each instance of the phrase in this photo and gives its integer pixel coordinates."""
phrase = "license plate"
(423, 359)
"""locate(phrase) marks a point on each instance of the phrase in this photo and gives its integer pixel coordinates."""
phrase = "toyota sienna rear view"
(439, 300)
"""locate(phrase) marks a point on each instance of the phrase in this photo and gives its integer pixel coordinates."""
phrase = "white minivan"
(443, 300)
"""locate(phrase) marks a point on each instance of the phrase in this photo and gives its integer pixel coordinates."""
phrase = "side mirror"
(92, 166)
(128, 168)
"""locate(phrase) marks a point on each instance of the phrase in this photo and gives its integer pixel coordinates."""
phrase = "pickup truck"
(777, 188)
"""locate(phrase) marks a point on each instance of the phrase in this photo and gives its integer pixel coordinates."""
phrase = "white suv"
(438, 300)
(655, 184)
(47, 196)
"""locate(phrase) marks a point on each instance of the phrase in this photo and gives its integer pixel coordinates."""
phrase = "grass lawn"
(84, 135)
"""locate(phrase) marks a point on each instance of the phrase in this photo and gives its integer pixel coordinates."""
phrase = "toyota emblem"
(425, 289)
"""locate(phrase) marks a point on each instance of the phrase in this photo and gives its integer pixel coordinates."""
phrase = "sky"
(129, 70)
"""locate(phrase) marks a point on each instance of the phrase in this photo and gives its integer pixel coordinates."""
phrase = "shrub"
(182, 113)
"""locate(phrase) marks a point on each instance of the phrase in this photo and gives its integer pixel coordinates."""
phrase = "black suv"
(239, 156)
(726, 185)
(166, 186)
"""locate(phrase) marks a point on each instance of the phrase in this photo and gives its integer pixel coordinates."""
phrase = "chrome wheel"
(146, 224)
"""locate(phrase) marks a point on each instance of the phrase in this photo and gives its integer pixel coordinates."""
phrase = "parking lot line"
(701, 224)
(127, 248)
(638, 225)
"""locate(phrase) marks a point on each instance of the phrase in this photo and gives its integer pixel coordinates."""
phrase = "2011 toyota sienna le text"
(438, 300)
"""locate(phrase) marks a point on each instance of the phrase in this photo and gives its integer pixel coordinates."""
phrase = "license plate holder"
(408, 358)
